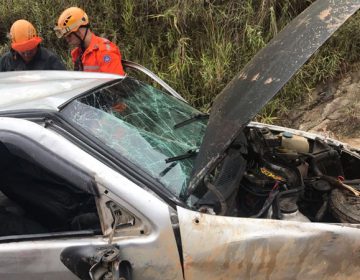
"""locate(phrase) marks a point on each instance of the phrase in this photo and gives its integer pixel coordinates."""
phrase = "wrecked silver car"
(107, 177)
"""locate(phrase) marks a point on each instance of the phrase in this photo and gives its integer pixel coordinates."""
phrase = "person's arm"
(56, 63)
(110, 61)
(3, 63)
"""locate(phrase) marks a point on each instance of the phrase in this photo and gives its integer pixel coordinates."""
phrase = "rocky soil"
(332, 110)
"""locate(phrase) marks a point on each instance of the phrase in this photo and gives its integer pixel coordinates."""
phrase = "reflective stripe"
(91, 67)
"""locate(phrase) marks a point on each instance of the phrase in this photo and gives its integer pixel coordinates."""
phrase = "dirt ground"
(332, 110)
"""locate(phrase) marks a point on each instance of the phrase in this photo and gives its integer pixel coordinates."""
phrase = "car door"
(217, 247)
(135, 224)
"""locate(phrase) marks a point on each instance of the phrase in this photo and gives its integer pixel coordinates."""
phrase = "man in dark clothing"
(26, 53)
(42, 60)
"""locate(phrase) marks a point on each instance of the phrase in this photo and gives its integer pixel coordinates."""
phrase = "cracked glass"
(136, 121)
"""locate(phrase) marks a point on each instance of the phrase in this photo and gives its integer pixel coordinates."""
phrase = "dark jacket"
(43, 60)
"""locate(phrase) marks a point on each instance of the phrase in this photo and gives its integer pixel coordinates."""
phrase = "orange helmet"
(23, 36)
(70, 21)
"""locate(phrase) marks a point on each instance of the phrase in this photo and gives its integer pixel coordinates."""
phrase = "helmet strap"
(78, 66)
(78, 63)
(82, 40)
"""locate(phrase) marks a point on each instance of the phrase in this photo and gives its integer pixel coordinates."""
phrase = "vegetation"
(197, 46)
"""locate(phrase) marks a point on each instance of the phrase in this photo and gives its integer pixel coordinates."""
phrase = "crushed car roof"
(32, 90)
(250, 90)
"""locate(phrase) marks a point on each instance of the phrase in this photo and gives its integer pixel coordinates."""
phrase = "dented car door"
(216, 247)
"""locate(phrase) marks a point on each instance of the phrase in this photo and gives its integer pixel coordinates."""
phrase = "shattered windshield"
(138, 122)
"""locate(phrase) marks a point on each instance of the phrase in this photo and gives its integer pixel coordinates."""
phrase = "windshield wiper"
(192, 119)
(189, 154)
(167, 169)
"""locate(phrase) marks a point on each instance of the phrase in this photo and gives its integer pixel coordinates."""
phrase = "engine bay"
(284, 176)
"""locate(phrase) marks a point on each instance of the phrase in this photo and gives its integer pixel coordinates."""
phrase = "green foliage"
(197, 46)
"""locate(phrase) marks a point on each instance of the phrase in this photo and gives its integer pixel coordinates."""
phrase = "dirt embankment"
(333, 110)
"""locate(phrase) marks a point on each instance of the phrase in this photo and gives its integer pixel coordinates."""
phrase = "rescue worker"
(91, 53)
(26, 52)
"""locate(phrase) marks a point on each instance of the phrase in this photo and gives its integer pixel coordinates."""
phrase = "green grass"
(197, 46)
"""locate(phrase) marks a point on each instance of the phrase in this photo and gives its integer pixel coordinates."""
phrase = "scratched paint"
(325, 13)
(239, 248)
(268, 81)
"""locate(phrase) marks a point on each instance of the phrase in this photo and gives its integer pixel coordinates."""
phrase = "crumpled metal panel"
(216, 247)
(266, 74)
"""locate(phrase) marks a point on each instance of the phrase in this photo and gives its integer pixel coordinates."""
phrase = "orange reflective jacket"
(100, 56)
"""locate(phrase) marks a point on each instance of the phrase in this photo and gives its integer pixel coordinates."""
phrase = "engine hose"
(320, 214)
(319, 156)
(276, 204)
(217, 193)
(292, 177)
(267, 204)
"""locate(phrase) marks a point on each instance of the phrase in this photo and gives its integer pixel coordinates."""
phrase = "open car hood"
(264, 76)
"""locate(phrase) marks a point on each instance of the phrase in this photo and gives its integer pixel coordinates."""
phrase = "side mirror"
(96, 262)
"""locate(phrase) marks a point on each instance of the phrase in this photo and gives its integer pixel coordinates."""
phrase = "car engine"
(281, 175)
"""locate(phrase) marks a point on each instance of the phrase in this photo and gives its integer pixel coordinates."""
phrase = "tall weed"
(195, 45)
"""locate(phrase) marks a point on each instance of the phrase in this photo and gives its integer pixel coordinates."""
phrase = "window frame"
(22, 146)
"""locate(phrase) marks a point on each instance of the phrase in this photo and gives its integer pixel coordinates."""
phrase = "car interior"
(42, 194)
